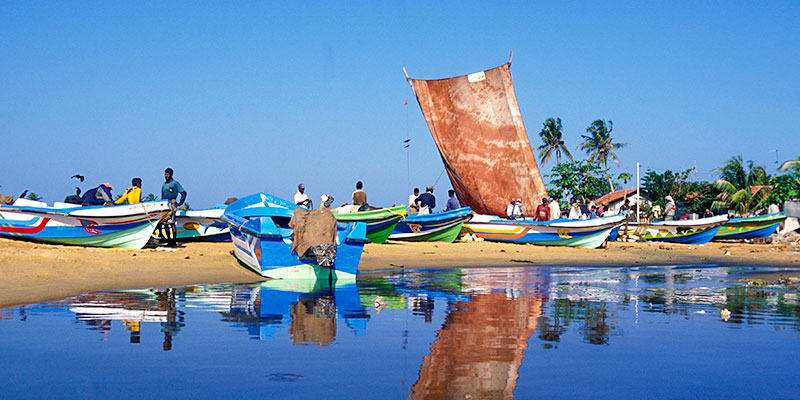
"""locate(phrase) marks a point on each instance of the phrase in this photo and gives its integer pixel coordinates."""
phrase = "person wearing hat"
(515, 210)
(426, 201)
(543, 210)
(669, 209)
(133, 194)
(300, 198)
(98, 196)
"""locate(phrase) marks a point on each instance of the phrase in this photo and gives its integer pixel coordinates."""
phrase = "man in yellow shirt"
(133, 194)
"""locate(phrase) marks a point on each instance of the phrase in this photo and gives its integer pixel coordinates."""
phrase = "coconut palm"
(599, 145)
(625, 177)
(791, 164)
(743, 190)
(551, 136)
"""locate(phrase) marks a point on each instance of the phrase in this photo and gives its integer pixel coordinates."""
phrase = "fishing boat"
(206, 224)
(262, 241)
(443, 226)
(114, 226)
(590, 233)
(690, 231)
(380, 222)
(759, 226)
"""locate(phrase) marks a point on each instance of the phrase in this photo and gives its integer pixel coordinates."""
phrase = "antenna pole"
(509, 57)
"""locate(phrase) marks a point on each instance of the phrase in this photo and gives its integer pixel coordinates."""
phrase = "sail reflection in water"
(649, 332)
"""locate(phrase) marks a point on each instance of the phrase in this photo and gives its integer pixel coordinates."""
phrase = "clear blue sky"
(240, 97)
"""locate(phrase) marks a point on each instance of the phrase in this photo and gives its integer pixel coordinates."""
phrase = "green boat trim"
(448, 235)
(380, 223)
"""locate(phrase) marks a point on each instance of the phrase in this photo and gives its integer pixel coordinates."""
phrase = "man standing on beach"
(170, 191)
(543, 211)
(300, 198)
(669, 209)
(555, 208)
(426, 201)
(413, 207)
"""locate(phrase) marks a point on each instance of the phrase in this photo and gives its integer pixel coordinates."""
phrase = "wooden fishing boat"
(443, 226)
(114, 226)
(262, 240)
(690, 231)
(589, 233)
(206, 224)
(380, 222)
(750, 228)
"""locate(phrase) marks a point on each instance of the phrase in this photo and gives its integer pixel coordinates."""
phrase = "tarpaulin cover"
(476, 123)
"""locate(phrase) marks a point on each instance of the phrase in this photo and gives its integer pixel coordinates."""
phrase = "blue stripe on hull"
(695, 238)
(758, 233)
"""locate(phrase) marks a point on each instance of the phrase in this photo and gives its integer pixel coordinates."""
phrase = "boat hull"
(579, 233)
(262, 242)
(750, 228)
(380, 223)
(697, 231)
(203, 225)
(444, 226)
(128, 226)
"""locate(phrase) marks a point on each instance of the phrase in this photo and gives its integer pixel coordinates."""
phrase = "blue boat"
(690, 231)
(590, 233)
(262, 240)
(444, 226)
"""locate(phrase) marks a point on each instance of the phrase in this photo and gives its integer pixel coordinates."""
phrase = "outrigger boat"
(759, 226)
(204, 224)
(380, 222)
(262, 240)
(689, 231)
(443, 226)
(114, 226)
(589, 233)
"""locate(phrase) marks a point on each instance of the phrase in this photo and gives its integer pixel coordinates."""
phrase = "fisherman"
(584, 210)
(426, 201)
(300, 198)
(773, 208)
(327, 200)
(133, 194)
(593, 212)
(555, 208)
(98, 196)
(515, 210)
(625, 208)
(543, 210)
(413, 207)
(170, 190)
(669, 209)
(360, 197)
(574, 210)
(708, 213)
(452, 201)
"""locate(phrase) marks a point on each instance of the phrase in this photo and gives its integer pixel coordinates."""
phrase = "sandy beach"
(34, 272)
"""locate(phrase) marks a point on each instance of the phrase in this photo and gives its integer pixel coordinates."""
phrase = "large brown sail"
(476, 123)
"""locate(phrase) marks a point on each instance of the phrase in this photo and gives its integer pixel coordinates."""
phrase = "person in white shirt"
(773, 208)
(413, 207)
(300, 198)
(515, 210)
(555, 208)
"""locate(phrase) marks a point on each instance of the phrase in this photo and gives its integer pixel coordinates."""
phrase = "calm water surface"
(526, 332)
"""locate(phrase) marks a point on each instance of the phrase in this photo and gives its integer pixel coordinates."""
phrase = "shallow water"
(525, 332)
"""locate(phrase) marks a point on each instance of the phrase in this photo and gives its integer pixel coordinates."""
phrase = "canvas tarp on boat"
(476, 123)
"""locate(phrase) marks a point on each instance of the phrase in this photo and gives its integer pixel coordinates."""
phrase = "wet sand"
(33, 272)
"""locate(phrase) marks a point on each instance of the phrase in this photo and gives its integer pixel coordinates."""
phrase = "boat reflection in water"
(310, 308)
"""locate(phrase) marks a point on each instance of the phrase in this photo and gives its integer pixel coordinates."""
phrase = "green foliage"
(658, 186)
(793, 165)
(34, 196)
(700, 196)
(149, 197)
(599, 145)
(551, 135)
(784, 187)
(578, 179)
(742, 190)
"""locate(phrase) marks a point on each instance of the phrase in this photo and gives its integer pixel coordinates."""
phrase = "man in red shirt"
(543, 210)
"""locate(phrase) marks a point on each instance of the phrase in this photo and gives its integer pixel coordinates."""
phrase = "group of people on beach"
(171, 190)
(425, 203)
(359, 198)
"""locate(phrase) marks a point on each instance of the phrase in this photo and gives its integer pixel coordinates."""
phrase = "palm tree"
(551, 136)
(742, 190)
(625, 178)
(791, 164)
(598, 145)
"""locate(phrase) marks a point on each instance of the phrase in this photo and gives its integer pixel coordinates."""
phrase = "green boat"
(380, 222)
(750, 228)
